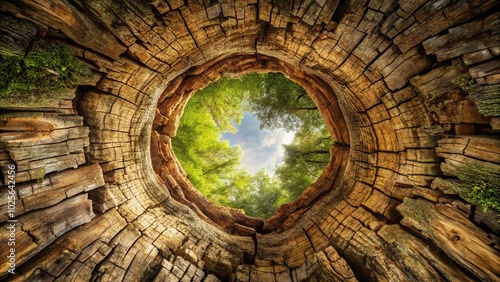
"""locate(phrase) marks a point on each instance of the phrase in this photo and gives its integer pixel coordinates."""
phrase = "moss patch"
(46, 70)
(486, 98)
(479, 186)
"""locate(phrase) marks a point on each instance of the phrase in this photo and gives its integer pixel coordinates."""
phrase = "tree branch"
(318, 152)
(315, 162)
(304, 109)
(219, 166)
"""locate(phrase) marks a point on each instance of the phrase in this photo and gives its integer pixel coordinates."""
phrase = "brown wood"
(100, 194)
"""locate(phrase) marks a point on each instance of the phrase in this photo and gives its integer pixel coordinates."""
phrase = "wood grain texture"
(100, 194)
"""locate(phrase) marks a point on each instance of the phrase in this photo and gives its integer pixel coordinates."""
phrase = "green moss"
(486, 97)
(480, 186)
(10, 67)
(39, 174)
(47, 68)
(465, 83)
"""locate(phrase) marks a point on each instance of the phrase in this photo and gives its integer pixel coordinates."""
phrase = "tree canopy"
(212, 165)
(280, 103)
(305, 158)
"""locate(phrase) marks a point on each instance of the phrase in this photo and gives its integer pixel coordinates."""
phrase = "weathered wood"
(461, 240)
(36, 231)
(380, 72)
(417, 257)
(74, 24)
(16, 36)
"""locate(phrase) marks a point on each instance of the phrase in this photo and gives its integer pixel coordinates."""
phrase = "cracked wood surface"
(101, 196)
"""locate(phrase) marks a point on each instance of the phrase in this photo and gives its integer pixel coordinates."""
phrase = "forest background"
(213, 166)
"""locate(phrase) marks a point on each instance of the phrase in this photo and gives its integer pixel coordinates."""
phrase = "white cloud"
(276, 137)
(270, 138)
(261, 148)
(288, 137)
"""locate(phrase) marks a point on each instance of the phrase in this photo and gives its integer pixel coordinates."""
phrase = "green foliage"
(261, 196)
(480, 186)
(280, 103)
(213, 166)
(47, 67)
(210, 164)
(225, 101)
(277, 101)
(305, 158)
(10, 67)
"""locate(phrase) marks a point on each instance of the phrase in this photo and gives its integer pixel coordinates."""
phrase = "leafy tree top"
(213, 166)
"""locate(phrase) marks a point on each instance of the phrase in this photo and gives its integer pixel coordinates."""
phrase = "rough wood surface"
(100, 195)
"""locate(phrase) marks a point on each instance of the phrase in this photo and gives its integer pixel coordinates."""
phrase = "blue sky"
(261, 148)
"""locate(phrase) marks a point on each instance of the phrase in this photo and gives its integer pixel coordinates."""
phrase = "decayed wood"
(53, 142)
(16, 35)
(76, 25)
(53, 189)
(37, 230)
(332, 267)
(461, 240)
(381, 74)
(417, 258)
(463, 152)
(486, 148)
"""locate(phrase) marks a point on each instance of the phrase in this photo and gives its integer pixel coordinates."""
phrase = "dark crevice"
(309, 239)
(250, 258)
(33, 237)
(340, 11)
(358, 266)
(190, 33)
(153, 269)
(97, 272)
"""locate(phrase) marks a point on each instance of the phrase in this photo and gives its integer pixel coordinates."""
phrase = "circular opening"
(172, 105)
(254, 142)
